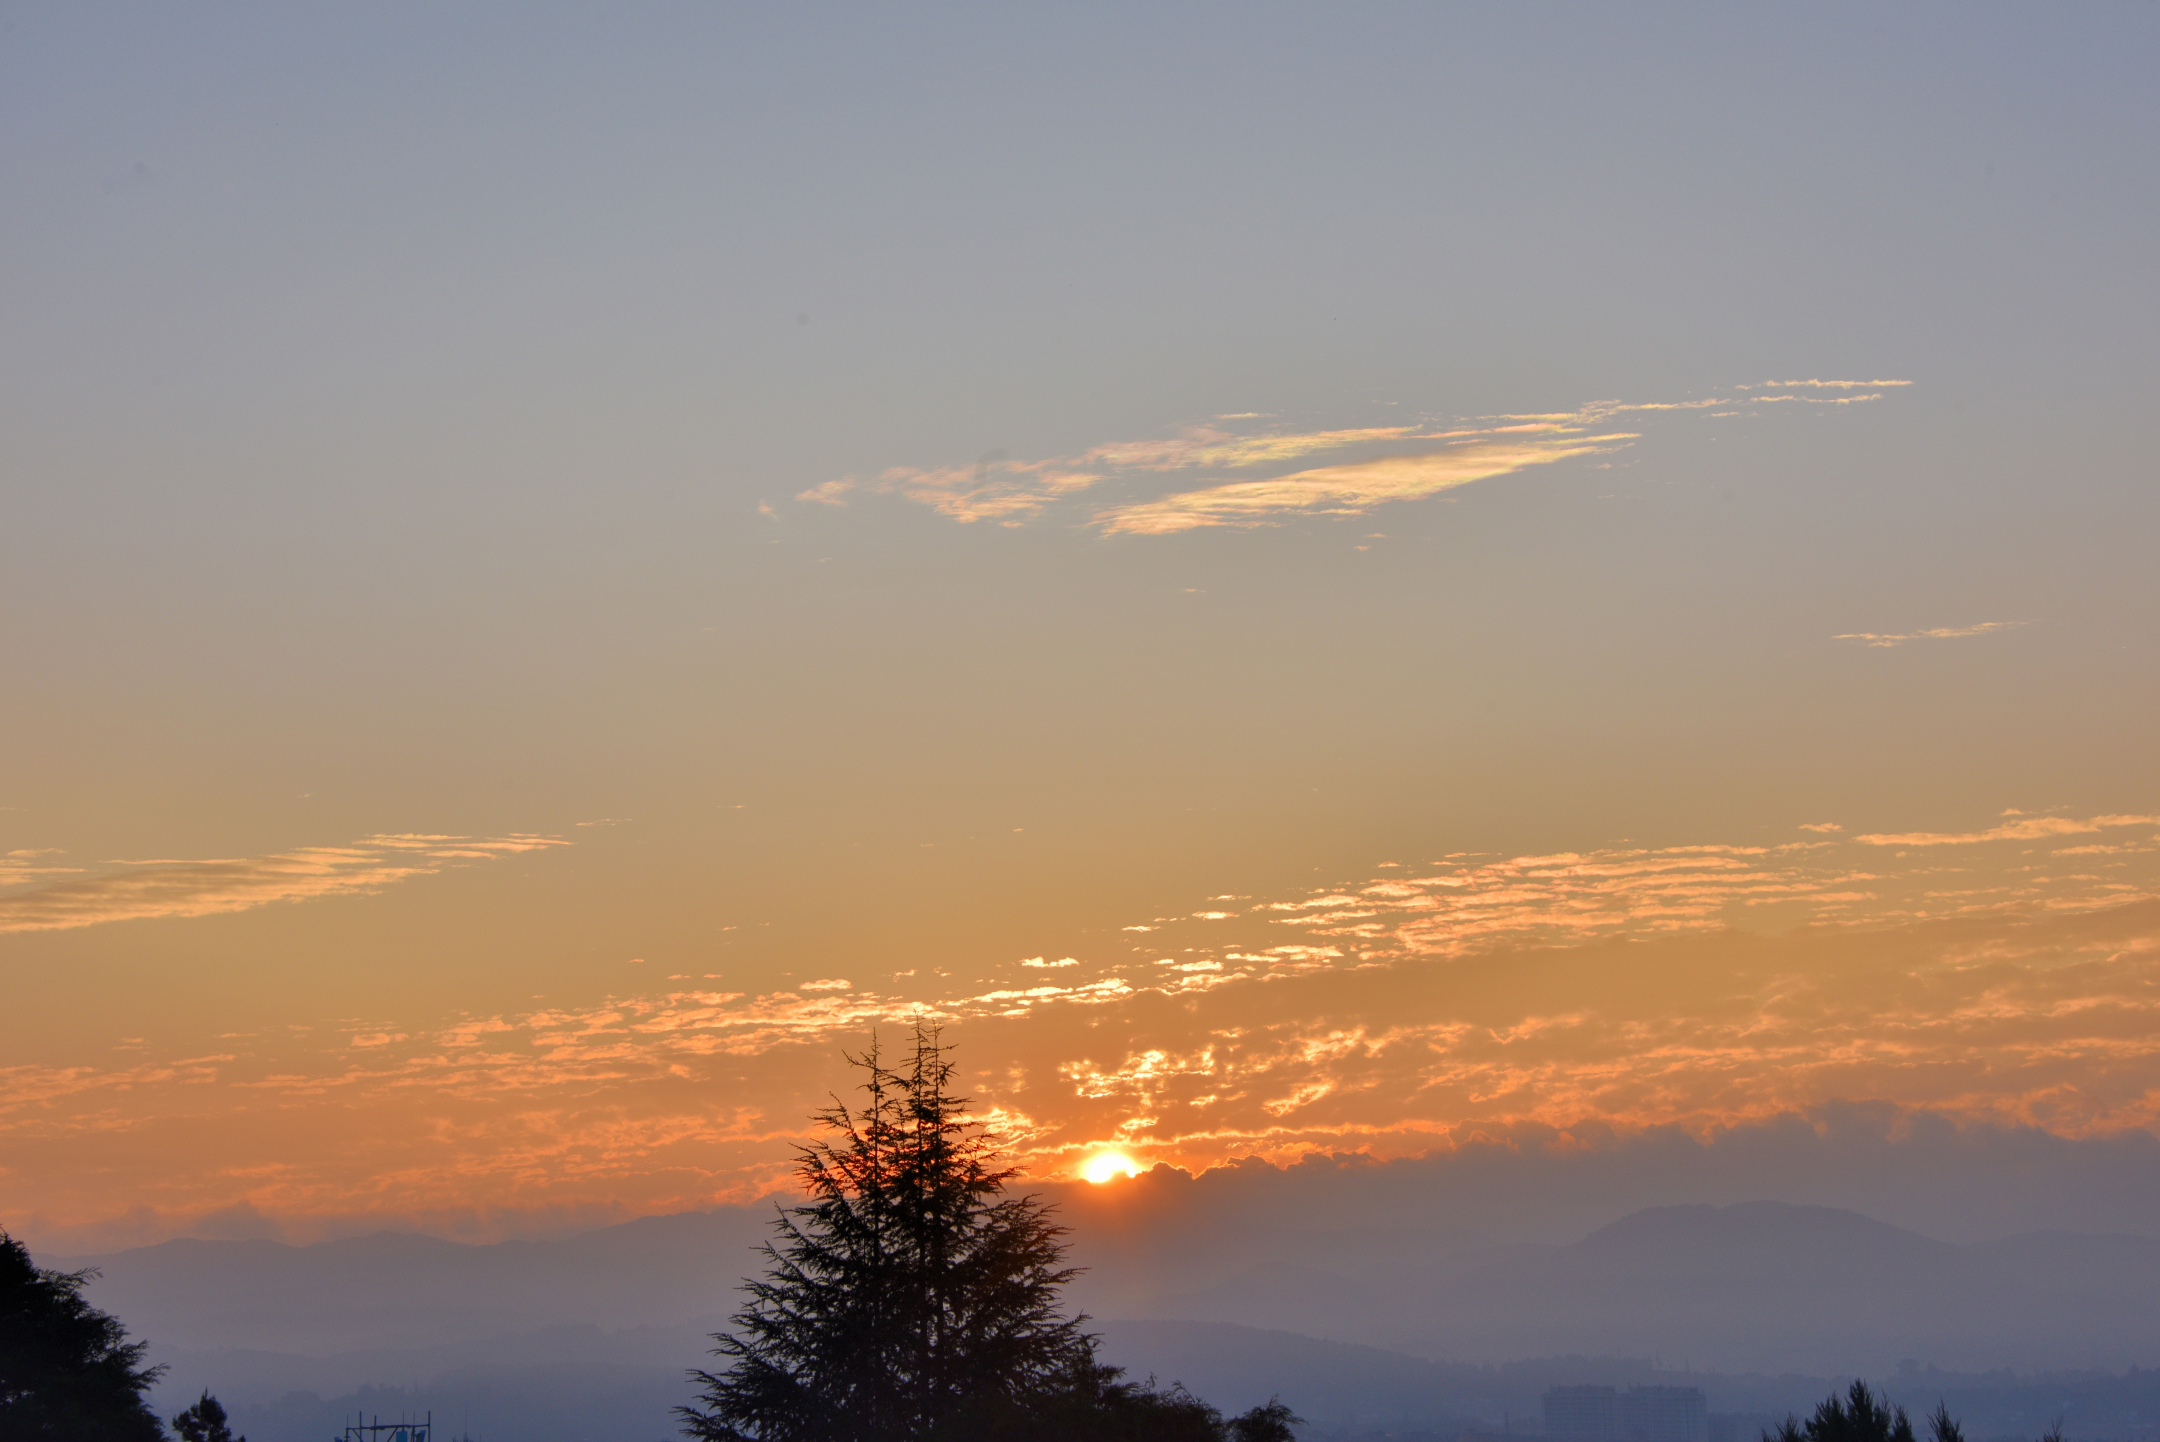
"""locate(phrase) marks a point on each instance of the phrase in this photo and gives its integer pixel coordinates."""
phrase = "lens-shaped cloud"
(2025, 828)
(1345, 490)
(1939, 633)
(1367, 466)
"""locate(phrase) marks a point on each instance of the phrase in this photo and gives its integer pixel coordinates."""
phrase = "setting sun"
(1104, 1165)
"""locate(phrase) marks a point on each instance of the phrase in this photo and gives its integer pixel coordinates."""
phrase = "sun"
(1104, 1165)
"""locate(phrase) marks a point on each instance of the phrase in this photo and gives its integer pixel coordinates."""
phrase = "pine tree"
(910, 1292)
(67, 1370)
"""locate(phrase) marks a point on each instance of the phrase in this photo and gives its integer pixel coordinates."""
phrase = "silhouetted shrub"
(204, 1422)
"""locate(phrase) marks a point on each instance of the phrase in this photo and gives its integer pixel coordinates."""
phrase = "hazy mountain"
(392, 1290)
(1760, 1285)
(1347, 1321)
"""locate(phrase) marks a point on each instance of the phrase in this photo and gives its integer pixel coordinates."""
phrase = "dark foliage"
(909, 1291)
(204, 1422)
(913, 1300)
(1860, 1416)
(1271, 1423)
(67, 1370)
(1090, 1406)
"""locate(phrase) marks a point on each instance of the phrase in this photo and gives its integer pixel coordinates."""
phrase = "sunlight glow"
(1104, 1165)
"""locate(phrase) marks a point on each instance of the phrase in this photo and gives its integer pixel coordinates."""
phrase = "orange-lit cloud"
(1624, 987)
(1343, 490)
(1370, 465)
(27, 865)
(1940, 633)
(145, 889)
(662, 1102)
(2025, 828)
(1831, 385)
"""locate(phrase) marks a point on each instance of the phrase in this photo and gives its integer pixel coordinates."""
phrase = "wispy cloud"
(1939, 633)
(1365, 467)
(1346, 490)
(2025, 828)
(1607, 987)
(28, 865)
(1820, 385)
(145, 889)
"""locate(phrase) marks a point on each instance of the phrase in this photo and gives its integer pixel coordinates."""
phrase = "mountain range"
(1353, 1325)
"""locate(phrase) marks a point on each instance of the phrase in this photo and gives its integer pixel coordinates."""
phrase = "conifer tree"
(67, 1370)
(909, 1293)
(1860, 1416)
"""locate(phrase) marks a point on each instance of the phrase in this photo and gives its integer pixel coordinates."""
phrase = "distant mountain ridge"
(1751, 1286)
(400, 1289)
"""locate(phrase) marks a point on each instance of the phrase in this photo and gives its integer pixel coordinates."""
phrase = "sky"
(1306, 580)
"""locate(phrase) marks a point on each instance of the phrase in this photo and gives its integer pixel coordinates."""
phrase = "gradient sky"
(1309, 578)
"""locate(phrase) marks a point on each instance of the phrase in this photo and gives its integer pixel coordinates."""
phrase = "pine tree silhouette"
(1861, 1416)
(909, 1292)
(913, 1300)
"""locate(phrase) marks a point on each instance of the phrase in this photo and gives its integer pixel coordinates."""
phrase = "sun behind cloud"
(1103, 1166)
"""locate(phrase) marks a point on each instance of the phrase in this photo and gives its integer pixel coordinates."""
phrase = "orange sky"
(2010, 975)
(1304, 580)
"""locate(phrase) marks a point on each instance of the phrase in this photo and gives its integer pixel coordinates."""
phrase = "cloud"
(2029, 828)
(2046, 1020)
(1345, 490)
(1833, 385)
(1697, 988)
(28, 865)
(991, 490)
(147, 889)
(1066, 961)
(1940, 633)
(1823, 826)
(1469, 905)
(1367, 465)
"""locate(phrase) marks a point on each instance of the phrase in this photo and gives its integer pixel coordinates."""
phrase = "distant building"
(1664, 1414)
(1737, 1426)
(1583, 1414)
(1640, 1414)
